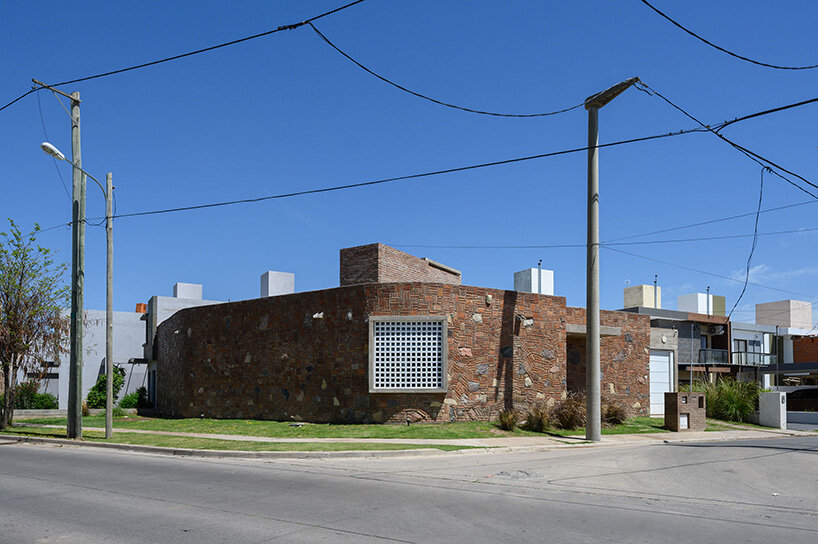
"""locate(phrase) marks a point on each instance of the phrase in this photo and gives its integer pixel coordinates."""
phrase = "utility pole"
(656, 290)
(109, 309)
(593, 415)
(74, 429)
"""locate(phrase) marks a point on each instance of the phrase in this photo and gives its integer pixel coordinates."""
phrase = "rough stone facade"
(377, 263)
(304, 356)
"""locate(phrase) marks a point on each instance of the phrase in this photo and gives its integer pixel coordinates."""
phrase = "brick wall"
(304, 356)
(377, 263)
(805, 349)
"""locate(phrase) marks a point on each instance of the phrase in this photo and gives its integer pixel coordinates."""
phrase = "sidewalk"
(512, 443)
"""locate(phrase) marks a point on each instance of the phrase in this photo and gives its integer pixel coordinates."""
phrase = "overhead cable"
(723, 50)
(404, 178)
(711, 221)
(755, 157)
(435, 100)
(753, 247)
(189, 53)
(705, 272)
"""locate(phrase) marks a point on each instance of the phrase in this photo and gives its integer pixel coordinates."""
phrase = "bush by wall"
(97, 395)
(538, 418)
(728, 399)
(26, 397)
(135, 399)
(569, 413)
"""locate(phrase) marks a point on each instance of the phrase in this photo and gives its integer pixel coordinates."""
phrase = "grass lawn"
(277, 429)
(217, 444)
(250, 427)
(634, 425)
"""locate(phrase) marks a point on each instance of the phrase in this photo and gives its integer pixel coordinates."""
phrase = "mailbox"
(685, 411)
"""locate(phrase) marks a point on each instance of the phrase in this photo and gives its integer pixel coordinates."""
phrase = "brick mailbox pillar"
(684, 411)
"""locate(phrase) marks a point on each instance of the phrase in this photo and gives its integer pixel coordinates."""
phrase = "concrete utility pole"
(74, 429)
(109, 309)
(593, 417)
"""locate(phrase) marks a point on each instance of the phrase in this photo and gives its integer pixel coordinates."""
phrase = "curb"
(188, 452)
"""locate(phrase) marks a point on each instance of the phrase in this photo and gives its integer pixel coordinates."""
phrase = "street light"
(593, 427)
(108, 193)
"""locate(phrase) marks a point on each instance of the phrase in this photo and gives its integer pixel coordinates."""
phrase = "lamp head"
(53, 151)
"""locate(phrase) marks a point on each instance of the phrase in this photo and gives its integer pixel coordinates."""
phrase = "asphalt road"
(725, 492)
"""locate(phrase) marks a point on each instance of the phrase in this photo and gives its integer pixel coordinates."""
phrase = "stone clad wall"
(377, 263)
(624, 360)
(304, 356)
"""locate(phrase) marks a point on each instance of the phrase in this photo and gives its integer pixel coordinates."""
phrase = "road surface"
(721, 492)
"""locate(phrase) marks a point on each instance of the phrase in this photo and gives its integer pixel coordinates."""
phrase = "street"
(726, 491)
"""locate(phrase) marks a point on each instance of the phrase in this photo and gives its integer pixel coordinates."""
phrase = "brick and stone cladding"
(377, 263)
(304, 356)
(624, 359)
(805, 349)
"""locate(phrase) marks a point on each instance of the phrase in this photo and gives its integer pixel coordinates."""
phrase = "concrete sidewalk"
(515, 442)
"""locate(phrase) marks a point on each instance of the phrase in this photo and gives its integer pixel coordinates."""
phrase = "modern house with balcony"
(791, 321)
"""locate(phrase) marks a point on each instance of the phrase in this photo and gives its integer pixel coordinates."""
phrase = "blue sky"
(285, 113)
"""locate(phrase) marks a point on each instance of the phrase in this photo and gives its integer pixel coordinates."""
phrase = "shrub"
(97, 395)
(614, 412)
(118, 412)
(728, 399)
(85, 411)
(538, 418)
(26, 397)
(507, 420)
(130, 400)
(569, 413)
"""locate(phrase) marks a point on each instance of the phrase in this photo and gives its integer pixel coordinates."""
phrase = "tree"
(33, 327)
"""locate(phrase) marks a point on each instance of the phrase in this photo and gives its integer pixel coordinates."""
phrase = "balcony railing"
(714, 357)
(745, 358)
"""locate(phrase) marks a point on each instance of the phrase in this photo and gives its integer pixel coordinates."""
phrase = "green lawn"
(250, 427)
(217, 444)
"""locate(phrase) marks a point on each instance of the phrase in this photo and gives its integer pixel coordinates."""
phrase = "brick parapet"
(378, 263)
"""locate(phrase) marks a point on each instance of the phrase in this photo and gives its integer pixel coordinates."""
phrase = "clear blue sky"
(285, 113)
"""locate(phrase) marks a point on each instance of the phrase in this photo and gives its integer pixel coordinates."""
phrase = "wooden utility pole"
(74, 428)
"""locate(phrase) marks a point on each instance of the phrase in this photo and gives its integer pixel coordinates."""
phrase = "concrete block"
(277, 283)
(528, 281)
(188, 290)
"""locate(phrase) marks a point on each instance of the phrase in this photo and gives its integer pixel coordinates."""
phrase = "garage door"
(661, 379)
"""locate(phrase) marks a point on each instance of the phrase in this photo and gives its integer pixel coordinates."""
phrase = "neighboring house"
(691, 344)
(796, 364)
(400, 339)
(129, 333)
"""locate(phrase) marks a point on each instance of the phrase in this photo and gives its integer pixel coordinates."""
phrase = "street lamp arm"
(101, 188)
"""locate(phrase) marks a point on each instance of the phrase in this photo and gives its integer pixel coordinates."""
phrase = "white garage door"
(661, 379)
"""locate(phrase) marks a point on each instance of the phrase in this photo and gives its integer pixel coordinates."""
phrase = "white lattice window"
(407, 354)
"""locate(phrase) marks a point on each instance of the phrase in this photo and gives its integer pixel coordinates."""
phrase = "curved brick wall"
(304, 356)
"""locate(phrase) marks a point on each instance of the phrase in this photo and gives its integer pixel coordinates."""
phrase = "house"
(400, 339)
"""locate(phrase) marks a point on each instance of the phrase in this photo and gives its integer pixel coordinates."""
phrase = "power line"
(706, 273)
(47, 139)
(434, 100)
(755, 157)
(711, 221)
(723, 50)
(403, 178)
(753, 248)
(210, 48)
(190, 53)
(646, 242)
